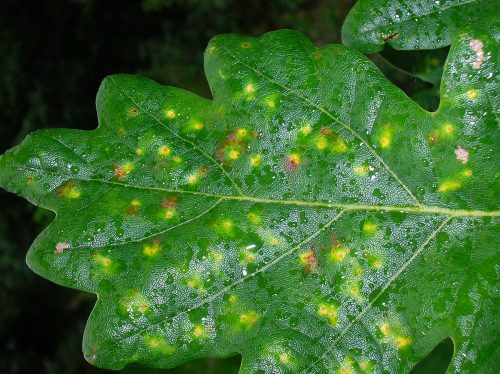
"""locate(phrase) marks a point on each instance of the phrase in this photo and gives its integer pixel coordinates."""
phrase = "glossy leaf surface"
(310, 217)
(413, 24)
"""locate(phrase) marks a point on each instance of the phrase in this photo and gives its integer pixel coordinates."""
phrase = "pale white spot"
(60, 247)
(477, 47)
(462, 155)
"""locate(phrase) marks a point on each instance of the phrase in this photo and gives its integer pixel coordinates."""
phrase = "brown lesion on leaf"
(234, 145)
(169, 202)
(293, 161)
(391, 37)
(121, 171)
(132, 112)
(69, 191)
(309, 261)
(133, 208)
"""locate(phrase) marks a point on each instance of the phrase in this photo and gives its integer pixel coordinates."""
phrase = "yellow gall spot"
(361, 170)
(385, 137)
(448, 128)
(273, 240)
(449, 186)
(218, 257)
(169, 213)
(365, 365)
(467, 173)
(271, 102)
(249, 88)
(69, 191)
(164, 150)
(170, 113)
(321, 143)
(245, 45)
(338, 254)
(196, 283)
(248, 319)
(403, 341)
(73, 194)
(385, 141)
(139, 151)
(255, 161)
(369, 228)
(133, 207)
(250, 257)
(377, 263)
(154, 343)
(193, 179)
(284, 358)
(197, 126)
(177, 159)
(102, 260)
(358, 272)
(132, 112)
(254, 218)
(340, 147)
(306, 130)
(385, 329)
(224, 227)
(233, 299)
(294, 160)
(199, 331)
(234, 154)
(472, 94)
(128, 167)
(241, 132)
(134, 302)
(151, 249)
(322, 310)
(159, 344)
(354, 290)
(122, 171)
(329, 311)
(122, 131)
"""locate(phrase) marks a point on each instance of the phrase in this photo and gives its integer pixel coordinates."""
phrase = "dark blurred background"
(53, 56)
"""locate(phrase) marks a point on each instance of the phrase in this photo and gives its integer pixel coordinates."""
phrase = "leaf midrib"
(417, 209)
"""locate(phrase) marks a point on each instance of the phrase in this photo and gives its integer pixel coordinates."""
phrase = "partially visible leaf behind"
(417, 73)
(413, 24)
(310, 217)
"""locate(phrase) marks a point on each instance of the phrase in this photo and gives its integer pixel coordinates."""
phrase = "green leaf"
(310, 217)
(403, 24)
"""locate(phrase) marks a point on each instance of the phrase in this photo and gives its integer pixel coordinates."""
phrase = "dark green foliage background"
(54, 54)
